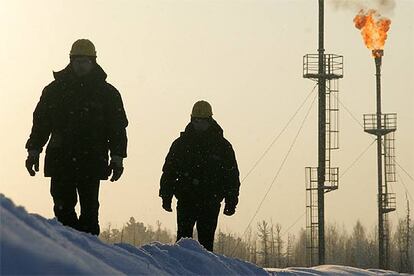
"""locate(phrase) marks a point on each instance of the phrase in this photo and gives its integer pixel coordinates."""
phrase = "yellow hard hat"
(202, 109)
(83, 47)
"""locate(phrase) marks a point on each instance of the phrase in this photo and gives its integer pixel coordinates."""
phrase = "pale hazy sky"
(245, 58)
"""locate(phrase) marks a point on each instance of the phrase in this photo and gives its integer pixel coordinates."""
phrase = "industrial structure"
(326, 70)
(383, 127)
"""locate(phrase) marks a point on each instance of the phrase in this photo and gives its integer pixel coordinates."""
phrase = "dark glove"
(116, 168)
(229, 209)
(32, 160)
(166, 204)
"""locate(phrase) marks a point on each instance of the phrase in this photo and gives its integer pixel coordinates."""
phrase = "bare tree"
(122, 234)
(106, 234)
(276, 245)
(408, 261)
(253, 252)
(289, 249)
(220, 241)
(279, 245)
(272, 258)
(335, 244)
(300, 249)
(402, 241)
(264, 236)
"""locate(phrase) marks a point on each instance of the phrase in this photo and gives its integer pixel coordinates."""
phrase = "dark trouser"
(64, 193)
(206, 218)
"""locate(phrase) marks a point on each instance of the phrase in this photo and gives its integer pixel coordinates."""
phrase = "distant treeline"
(269, 246)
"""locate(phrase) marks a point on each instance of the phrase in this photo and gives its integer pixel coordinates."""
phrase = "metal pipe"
(381, 248)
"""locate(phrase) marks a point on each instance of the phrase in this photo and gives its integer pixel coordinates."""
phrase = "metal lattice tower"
(383, 127)
(326, 69)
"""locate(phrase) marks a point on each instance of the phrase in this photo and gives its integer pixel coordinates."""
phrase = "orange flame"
(373, 28)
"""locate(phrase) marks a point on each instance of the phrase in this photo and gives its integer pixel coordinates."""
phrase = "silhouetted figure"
(200, 170)
(84, 117)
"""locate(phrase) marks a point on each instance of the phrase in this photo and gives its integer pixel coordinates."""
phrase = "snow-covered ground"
(327, 270)
(31, 244)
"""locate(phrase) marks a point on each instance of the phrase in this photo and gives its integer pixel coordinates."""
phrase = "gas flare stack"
(326, 70)
(383, 126)
(374, 30)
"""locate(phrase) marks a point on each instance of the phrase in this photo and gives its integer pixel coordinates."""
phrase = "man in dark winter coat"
(200, 170)
(82, 116)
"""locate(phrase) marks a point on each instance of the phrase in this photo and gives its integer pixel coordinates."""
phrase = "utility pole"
(383, 127)
(321, 135)
(325, 69)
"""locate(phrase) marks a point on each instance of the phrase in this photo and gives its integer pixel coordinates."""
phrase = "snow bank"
(31, 244)
(327, 270)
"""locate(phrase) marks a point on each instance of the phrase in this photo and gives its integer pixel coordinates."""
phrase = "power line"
(406, 189)
(350, 113)
(280, 133)
(404, 170)
(358, 158)
(277, 173)
(293, 224)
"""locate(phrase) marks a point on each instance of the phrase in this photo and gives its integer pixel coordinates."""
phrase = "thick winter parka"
(84, 117)
(201, 168)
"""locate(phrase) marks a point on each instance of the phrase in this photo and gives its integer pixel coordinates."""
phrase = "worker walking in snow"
(200, 170)
(84, 117)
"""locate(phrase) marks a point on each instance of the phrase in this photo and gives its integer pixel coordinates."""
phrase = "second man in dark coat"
(200, 170)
